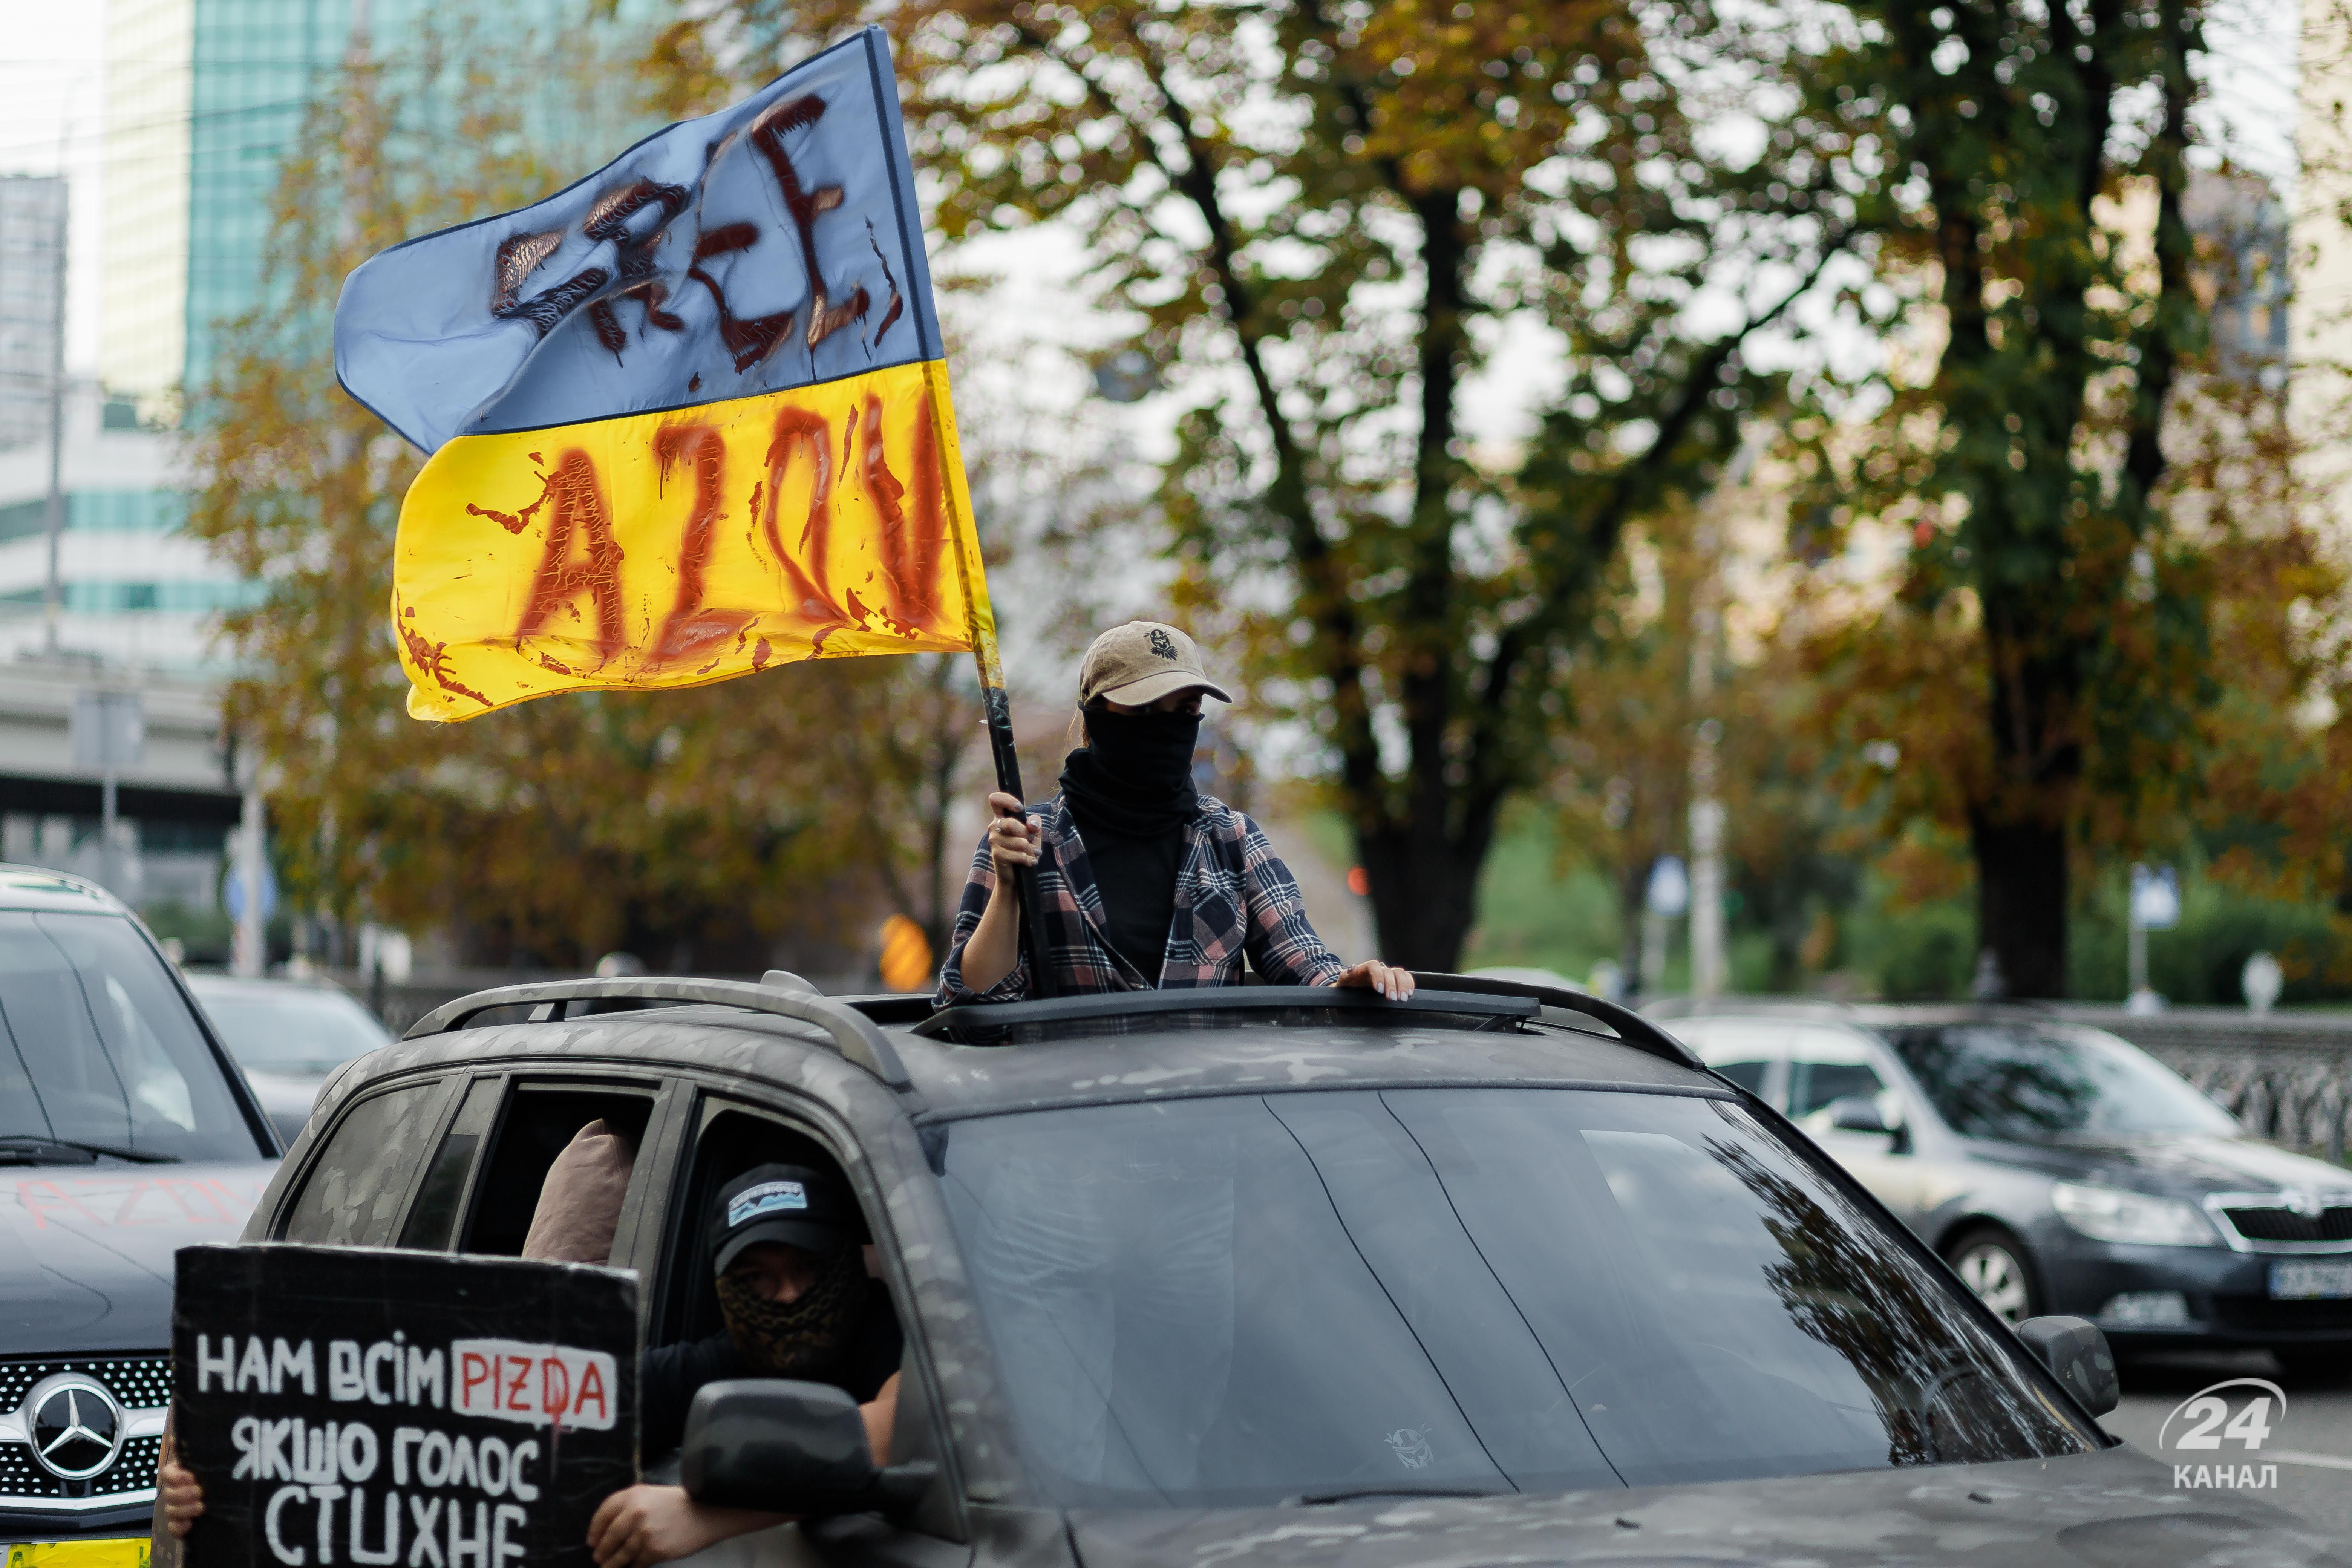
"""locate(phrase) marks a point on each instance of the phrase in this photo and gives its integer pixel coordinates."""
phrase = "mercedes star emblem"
(77, 1426)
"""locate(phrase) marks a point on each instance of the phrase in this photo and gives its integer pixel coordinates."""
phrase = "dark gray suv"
(2059, 1169)
(1270, 1274)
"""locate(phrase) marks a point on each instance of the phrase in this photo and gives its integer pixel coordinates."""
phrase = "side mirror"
(790, 1447)
(2076, 1354)
(1858, 1113)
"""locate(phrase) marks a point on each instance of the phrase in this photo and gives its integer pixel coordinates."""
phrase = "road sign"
(2154, 898)
(1669, 891)
(233, 889)
(108, 729)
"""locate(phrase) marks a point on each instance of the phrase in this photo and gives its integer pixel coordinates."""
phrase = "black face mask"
(1136, 773)
(1150, 752)
(808, 1338)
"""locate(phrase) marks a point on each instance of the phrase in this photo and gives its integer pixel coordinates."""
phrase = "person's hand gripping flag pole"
(686, 419)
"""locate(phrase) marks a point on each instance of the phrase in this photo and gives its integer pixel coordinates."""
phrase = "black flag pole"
(997, 709)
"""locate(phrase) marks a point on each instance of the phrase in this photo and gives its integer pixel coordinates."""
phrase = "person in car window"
(1143, 882)
(797, 1291)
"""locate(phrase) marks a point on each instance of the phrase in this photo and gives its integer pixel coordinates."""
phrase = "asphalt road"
(2311, 1442)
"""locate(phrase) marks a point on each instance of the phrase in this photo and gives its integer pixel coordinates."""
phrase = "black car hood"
(2112, 1510)
(86, 1250)
(2184, 1164)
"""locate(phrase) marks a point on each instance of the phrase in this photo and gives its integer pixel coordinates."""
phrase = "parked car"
(2059, 1169)
(288, 1035)
(126, 1133)
(1267, 1274)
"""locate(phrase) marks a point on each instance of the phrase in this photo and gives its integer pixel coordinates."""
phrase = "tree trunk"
(2021, 900)
(1424, 888)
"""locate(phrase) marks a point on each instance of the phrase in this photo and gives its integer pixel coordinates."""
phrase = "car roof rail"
(1630, 1027)
(972, 1016)
(855, 1035)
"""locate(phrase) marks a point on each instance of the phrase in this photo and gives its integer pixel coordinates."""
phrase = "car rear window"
(2031, 1081)
(284, 1028)
(1242, 1300)
(98, 1047)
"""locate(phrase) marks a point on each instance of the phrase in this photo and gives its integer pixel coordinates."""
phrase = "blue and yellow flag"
(686, 419)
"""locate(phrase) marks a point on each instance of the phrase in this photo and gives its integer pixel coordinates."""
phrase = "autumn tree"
(2046, 659)
(1318, 215)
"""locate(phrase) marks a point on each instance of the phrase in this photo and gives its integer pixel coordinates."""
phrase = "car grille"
(2258, 1315)
(133, 1471)
(2285, 1224)
(137, 1382)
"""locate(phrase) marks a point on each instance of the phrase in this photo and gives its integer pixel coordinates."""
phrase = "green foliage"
(2199, 961)
(1922, 952)
(2048, 661)
(1535, 912)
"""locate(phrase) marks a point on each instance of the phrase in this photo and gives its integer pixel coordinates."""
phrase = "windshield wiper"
(1352, 1494)
(31, 1147)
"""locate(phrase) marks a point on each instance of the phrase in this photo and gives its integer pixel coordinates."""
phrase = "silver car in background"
(2058, 1169)
(288, 1035)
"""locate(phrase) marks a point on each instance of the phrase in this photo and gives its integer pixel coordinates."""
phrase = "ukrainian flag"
(686, 419)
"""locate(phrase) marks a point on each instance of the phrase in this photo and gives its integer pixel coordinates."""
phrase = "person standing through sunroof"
(1143, 883)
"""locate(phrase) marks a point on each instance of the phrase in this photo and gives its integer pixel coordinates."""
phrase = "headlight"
(2110, 1213)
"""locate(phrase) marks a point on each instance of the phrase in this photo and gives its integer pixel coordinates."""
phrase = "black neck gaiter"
(1135, 774)
(808, 1338)
(1131, 792)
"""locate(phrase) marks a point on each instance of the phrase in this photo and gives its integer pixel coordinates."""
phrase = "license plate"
(2311, 1282)
(130, 1553)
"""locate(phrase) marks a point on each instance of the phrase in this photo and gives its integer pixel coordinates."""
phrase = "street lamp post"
(2155, 906)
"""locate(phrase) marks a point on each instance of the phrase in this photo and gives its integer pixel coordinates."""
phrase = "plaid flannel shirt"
(1234, 896)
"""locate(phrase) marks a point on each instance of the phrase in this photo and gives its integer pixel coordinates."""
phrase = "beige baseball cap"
(1142, 662)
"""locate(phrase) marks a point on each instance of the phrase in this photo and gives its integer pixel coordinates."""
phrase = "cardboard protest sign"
(370, 1406)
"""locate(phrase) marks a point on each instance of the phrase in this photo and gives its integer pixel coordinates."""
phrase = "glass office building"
(205, 100)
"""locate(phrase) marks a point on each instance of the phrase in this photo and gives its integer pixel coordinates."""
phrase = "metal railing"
(2288, 1077)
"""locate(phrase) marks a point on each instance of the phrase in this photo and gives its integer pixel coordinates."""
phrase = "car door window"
(732, 1138)
(353, 1192)
(537, 1120)
(1825, 1065)
(1742, 1052)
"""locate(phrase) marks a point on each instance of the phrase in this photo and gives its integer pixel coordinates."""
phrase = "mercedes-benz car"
(126, 1132)
(1264, 1275)
(2059, 1169)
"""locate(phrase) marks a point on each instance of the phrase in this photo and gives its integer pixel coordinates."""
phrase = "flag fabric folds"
(686, 419)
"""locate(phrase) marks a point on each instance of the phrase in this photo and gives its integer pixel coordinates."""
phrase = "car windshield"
(2026, 1082)
(98, 1047)
(290, 1029)
(1313, 1294)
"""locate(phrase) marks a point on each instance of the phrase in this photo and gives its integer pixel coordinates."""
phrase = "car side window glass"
(352, 1195)
(539, 1120)
(1825, 1067)
(433, 1217)
(1744, 1053)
